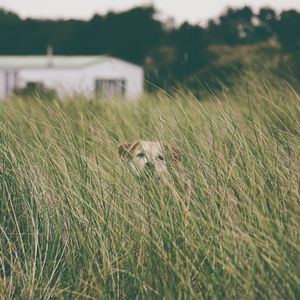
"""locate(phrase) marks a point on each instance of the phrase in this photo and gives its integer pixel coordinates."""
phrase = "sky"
(194, 11)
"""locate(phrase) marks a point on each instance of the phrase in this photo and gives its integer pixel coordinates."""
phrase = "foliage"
(76, 223)
(170, 53)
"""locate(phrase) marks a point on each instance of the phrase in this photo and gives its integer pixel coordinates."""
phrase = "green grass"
(76, 224)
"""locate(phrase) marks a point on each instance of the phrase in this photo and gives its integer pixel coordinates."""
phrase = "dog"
(148, 157)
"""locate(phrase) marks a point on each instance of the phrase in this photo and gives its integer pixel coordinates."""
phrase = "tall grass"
(76, 224)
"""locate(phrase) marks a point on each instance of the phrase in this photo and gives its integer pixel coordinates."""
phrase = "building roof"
(44, 61)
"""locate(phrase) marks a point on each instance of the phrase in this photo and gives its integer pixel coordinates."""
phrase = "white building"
(69, 75)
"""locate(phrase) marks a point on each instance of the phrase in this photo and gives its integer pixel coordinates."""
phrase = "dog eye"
(160, 157)
(141, 154)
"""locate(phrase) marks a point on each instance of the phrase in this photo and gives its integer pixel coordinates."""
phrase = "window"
(10, 81)
(109, 87)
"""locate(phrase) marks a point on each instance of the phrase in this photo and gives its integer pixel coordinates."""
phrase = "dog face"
(147, 157)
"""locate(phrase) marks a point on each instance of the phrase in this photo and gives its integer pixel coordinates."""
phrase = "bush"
(35, 90)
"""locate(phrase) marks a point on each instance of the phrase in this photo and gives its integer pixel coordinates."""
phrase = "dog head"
(147, 157)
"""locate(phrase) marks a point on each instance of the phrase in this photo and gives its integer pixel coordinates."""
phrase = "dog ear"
(173, 152)
(126, 150)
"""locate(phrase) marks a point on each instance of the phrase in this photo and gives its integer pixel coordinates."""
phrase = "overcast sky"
(191, 10)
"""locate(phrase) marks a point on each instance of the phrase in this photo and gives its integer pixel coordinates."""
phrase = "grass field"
(76, 224)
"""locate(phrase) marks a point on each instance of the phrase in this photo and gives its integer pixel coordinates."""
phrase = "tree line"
(170, 53)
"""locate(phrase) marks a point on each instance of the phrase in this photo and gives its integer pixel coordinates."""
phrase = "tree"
(130, 34)
(287, 30)
(267, 19)
(190, 42)
(234, 27)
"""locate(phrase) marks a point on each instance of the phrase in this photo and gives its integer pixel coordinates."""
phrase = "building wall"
(66, 82)
(118, 69)
(70, 81)
(2, 84)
